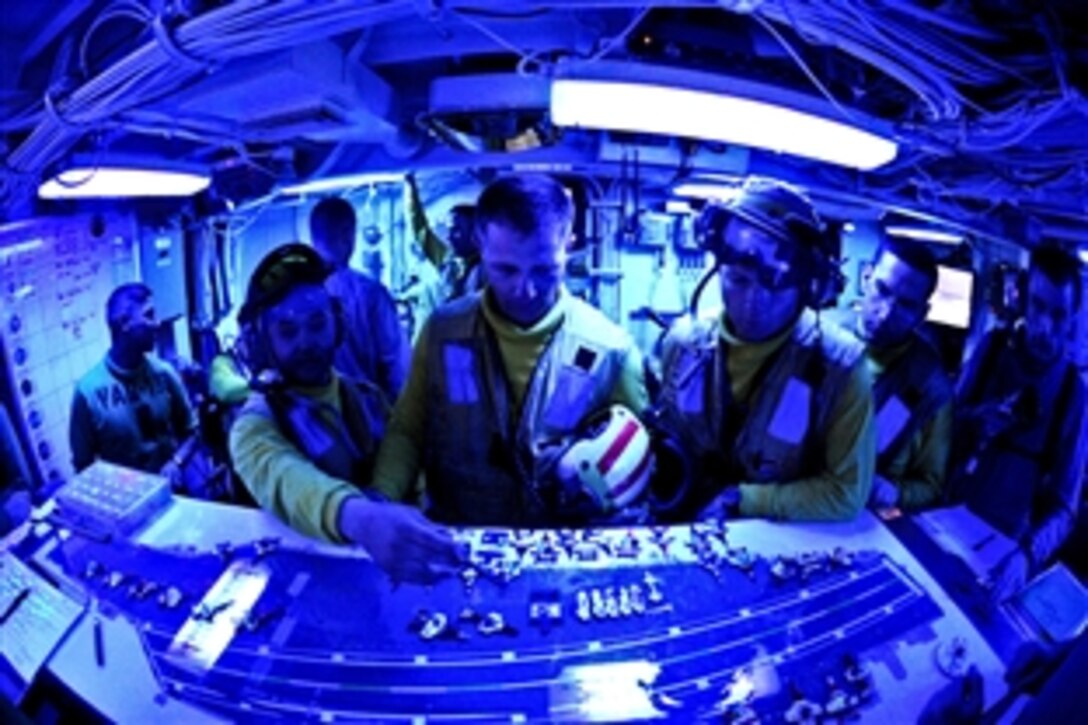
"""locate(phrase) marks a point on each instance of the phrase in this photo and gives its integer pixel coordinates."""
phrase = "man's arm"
(968, 386)
(840, 492)
(922, 483)
(284, 481)
(400, 456)
(434, 248)
(81, 437)
(1063, 493)
(182, 417)
(394, 352)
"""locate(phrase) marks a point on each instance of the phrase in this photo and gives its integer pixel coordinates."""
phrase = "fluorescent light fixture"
(340, 183)
(924, 234)
(708, 190)
(678, 206)
(112, 181)
(666, 110)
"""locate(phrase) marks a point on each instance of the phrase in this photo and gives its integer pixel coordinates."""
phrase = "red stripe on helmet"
(616, 449)
(632, 479)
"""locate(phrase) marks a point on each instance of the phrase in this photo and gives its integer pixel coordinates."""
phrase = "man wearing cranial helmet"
(772, 407)
(305, 441)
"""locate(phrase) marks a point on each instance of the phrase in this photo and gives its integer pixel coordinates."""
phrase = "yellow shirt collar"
(756, 347)
(505, 329)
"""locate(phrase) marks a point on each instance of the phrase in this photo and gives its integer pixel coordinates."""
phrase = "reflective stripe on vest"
(906, 396)
(341, 444)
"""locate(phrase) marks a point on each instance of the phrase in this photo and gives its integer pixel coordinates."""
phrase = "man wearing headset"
(912, 395)
(771, 405)
(1021, 440)
(304, 442)
(500, 379)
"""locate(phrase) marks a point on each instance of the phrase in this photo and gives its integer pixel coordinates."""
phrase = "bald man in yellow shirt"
(502, 378)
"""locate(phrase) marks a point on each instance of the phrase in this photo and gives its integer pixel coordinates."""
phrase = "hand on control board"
(400, 540)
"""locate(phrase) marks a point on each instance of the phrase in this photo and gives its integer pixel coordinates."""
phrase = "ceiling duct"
(491, 112)
(309, 91)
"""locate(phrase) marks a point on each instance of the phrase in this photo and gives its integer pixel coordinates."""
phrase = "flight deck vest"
(906, 396)
(779, 435)
(342, 445)
(485, 463)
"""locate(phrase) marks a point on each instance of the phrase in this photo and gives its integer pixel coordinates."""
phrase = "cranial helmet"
(610, 462)
(787, 215)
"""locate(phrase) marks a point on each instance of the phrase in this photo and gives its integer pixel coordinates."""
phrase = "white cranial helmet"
(611, 462)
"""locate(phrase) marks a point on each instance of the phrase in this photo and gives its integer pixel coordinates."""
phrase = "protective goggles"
(774, 278)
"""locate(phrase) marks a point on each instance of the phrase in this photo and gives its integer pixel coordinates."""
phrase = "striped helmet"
(611, 462)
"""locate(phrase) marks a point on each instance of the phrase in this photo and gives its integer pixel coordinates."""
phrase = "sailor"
(771, 405)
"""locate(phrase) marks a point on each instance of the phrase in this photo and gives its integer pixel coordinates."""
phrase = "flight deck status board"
(57, 274)
(606, 625)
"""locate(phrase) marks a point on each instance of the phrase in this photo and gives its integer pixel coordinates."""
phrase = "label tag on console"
(215, 620)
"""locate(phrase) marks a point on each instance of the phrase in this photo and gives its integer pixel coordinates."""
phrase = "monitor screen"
(951, 302)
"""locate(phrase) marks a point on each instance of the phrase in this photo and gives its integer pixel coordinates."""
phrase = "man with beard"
(912, 396)
(771, 405)
(502, 379)
(1021, 429)
(305, 441)
(131, 408)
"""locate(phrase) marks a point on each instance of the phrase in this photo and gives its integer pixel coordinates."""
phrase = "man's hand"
(961, 701)
(1031, 665)
(885, 494)
(400, 540)
(1008, 576)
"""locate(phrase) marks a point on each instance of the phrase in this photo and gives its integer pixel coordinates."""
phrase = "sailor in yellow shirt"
(502, 379)
(912, 395)
(304, 442)
(770, 404)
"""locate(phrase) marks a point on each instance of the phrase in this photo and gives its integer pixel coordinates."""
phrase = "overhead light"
(849, 227)
(924, 234)
(142, 178)
(340, 183)
(707, 190)
(718, 115)
(1083, 256)
(679, 206)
